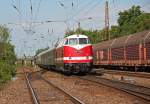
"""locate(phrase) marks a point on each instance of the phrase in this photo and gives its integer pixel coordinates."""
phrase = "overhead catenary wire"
(31, 8)
(80, 10)
(38, 9)
(94, 6)
(18, 9)
(31, 11)
(145, 5)
(13, 3)
(90, 9)
(83, 8)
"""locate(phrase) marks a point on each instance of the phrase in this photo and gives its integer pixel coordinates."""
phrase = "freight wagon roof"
(119, 42)
(131, 39)
(147, 38)
(103, 45)
(138, 37)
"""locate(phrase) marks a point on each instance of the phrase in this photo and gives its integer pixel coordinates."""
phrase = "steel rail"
(73, 99)
(126, 73)
(126, 87)
(33, 94)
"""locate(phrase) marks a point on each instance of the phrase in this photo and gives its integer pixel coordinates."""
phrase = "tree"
(142, 22)
(7, 56)
(114, 32)
(95, 36)
(130, 21)
(127, 15)
(4, 34)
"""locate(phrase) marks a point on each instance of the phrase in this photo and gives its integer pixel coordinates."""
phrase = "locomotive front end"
(78, 56)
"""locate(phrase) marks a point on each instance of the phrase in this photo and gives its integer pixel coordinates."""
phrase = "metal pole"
(107, 35)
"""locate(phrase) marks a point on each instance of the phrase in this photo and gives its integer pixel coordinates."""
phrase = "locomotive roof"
(61, 42)
(77, 36)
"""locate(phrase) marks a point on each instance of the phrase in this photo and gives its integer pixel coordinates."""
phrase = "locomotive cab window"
(84, 41)
(73, 41)
(66, 43)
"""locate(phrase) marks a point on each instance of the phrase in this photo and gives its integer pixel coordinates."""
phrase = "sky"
(29, 30)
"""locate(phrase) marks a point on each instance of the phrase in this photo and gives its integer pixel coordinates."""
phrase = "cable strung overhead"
(31, 7)
(15, 7)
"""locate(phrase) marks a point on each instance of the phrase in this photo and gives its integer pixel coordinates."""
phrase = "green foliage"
(7, 56)
(129, 22)
(19, 63)
(4, 34)
(95, 36)
(143, 22)
(128, 15)
(132, 21)
(114, 32)
(7, 71)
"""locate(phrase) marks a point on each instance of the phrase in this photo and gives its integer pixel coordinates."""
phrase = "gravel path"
(16, 91)
(47, 94)
(129, 79)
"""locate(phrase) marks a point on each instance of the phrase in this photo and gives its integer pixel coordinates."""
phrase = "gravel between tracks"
(16, 91)
(47, 94)
(129, 79)
(89, 92)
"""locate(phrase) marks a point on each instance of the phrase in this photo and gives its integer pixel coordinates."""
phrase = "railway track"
(138, 91)
(31, 90)
(125, 73)
(71, 97)
(34, 95)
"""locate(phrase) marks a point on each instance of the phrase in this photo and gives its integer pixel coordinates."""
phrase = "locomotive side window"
(66, 43)
(83, 41)
(73, 41)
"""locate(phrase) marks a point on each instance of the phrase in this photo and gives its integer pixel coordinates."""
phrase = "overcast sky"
(29, 31)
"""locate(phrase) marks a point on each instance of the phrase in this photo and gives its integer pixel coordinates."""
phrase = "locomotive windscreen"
(84, 41)
(73, 41)
(76, 41)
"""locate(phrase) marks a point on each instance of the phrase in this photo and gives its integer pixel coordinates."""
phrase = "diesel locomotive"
(72, 54)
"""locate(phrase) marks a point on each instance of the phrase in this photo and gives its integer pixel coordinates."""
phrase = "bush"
(7, 56)
(7, 71)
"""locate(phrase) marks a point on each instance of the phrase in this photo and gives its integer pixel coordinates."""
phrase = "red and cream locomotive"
(72, 54)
